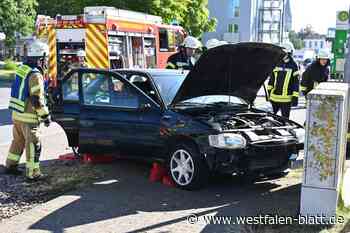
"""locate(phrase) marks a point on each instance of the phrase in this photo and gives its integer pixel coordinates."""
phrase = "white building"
(250, 20)
(316, 43)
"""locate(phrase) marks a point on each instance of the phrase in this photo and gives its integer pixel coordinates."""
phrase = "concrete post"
(347, 60)
(325, 148)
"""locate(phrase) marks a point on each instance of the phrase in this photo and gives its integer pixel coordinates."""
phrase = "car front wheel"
(187, 168)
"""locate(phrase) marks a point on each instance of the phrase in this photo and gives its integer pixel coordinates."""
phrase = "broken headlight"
(227, 141)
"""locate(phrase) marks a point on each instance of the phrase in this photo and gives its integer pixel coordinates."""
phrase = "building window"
(310, 44)
(233, 28)
(316, 44)
(236, 9)
(321, 44)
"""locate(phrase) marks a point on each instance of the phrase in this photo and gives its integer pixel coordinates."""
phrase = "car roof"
(155, 72)
(149, 71)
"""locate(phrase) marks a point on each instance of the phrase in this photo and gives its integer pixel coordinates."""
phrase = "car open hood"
(232, 69)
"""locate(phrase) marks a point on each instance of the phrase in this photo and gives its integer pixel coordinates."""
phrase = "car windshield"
(168, 85)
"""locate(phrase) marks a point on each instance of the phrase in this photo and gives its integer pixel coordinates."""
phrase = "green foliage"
(10, 65)
(296, 40)
(16, 16)
(196, 20)
(193, 15)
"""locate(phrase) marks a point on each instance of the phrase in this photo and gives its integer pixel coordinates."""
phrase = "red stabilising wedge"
(168, 181)
(90, 158)
(157, 172)
(66, 157)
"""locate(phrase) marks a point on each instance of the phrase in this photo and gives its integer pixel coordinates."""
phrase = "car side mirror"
(145, 107)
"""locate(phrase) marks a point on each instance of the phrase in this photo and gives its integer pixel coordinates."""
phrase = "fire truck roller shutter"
(97, 46)
(52, 56)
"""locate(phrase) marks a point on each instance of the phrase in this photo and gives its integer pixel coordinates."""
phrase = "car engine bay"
(255, 126)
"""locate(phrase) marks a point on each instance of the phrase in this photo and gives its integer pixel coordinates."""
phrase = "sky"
(321, 14)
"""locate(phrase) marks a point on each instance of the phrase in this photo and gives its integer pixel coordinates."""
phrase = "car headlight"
(300, 134)
(227, 141)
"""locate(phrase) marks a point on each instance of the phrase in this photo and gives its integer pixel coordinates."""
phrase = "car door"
(65, 108)
(116, 117)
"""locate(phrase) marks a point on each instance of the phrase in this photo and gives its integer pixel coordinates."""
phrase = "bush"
(10, 65)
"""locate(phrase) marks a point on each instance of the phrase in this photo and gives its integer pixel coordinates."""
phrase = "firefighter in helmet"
(80, 62)
(283, 86)
(28, 111)
(185, 58)
(316, 73)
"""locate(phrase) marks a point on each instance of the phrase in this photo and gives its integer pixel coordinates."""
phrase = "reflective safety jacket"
(179, 61)
(27, 100)
(284, 83)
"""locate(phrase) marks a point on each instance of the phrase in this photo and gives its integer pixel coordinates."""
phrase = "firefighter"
(283, 86)
(316, 73)
(185, 58)
(81, 59)
(28, 111)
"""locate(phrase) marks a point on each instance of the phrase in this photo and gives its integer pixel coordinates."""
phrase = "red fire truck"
(110, 37)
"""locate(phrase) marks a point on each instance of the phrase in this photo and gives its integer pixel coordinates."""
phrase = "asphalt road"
(125, 201)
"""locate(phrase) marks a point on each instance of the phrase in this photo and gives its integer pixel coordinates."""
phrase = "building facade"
(317, 43)
(250, 20)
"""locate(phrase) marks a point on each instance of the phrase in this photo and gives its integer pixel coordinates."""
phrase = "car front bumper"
(253, 158)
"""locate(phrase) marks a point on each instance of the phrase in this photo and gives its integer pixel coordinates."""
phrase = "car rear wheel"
(187, 168)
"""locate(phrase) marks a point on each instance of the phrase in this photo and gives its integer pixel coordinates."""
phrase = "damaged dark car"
(197, 123)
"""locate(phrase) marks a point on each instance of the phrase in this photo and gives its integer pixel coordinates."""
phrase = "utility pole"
(283, 16)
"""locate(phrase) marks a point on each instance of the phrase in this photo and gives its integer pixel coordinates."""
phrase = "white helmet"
(288, 46)
(212, 43)
(192, 42)
(81, 53)
(323, 54)
(38, 49)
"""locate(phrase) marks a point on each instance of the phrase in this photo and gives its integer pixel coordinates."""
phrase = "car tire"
(185, 159)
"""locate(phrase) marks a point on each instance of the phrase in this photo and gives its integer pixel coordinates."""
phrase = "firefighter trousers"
(284, 107)
(25, 136)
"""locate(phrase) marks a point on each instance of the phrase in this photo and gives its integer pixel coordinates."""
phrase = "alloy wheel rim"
(182, 167)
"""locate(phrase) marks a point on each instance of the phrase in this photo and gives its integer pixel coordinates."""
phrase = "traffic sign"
(343, 20)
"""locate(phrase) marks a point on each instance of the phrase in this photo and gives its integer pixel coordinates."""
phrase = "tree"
(196, 20)
(193, 15)
(16, 16)
(296, 40)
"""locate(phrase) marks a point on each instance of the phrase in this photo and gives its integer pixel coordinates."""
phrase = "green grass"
(7, 74)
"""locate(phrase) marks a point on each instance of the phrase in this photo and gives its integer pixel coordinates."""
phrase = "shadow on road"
(5, 117)
(133, 194)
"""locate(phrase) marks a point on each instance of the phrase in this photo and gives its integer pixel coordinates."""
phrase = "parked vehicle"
(197, 123)
(138, 39)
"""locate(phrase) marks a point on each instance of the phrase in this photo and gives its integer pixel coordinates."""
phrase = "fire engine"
(110, 37)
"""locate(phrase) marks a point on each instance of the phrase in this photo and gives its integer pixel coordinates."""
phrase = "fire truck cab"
(111, 38)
